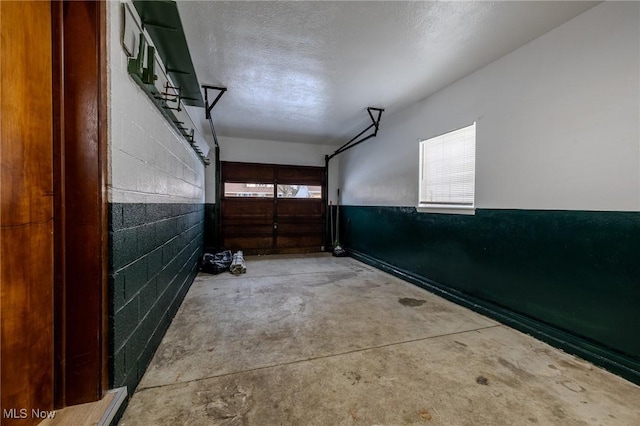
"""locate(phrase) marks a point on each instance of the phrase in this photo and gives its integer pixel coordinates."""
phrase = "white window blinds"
(447, 169)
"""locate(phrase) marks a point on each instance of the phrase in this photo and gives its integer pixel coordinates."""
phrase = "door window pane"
(299, 191)
(254, 190)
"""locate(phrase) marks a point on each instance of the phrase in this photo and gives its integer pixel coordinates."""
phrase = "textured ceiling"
(306, 71)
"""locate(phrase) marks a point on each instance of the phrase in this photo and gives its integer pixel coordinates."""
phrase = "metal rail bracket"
(375, 124)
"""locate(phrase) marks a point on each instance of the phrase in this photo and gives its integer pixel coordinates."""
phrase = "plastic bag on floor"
(237, 264)
(216, 263)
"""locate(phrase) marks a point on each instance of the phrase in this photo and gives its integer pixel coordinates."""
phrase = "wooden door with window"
(269, 209)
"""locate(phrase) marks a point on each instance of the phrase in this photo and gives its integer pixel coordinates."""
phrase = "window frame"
(444, 208)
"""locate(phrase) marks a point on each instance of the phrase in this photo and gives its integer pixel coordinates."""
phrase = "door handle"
(275, 226)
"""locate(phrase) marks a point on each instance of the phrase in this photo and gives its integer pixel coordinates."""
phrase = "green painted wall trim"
(569, 278)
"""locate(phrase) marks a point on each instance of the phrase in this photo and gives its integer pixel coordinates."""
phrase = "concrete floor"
(318, 340)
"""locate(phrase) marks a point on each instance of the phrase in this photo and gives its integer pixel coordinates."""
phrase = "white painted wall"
(272, 152)
(276, 152)
(558, 124)
(149, 162)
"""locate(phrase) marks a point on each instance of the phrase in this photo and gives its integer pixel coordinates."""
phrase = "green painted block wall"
(154, 252)
(571, 275)
(211, 240)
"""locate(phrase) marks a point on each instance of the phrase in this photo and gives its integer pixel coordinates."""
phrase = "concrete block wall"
(156, 216)
(154, 254)
(149, 160)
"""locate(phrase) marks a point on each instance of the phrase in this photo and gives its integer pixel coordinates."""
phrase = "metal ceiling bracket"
(375, 125)
(375, 114)
(209, 106)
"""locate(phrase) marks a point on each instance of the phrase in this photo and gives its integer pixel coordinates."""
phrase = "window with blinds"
(448, 168)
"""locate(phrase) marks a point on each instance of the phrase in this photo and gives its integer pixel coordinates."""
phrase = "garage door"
(270, 209)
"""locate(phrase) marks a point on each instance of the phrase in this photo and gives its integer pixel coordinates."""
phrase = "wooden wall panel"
(300, 225)
(293, 207)
(26, 209)
(245, 172)
(300, 175)
(248, 225)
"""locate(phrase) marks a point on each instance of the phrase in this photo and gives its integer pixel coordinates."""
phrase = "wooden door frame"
(81, 295)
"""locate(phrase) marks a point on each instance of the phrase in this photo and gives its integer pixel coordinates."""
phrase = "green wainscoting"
(211, 239)
(570, 278)
(154, 255)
